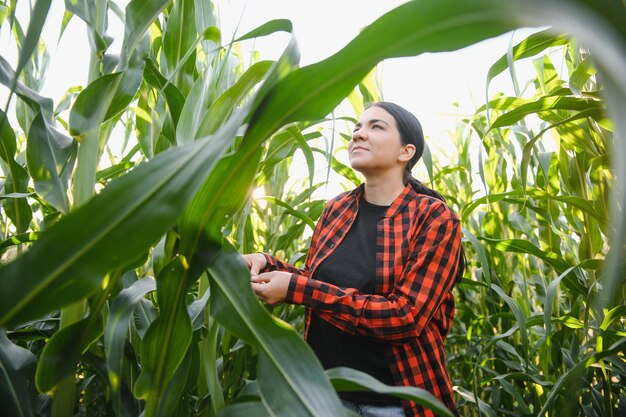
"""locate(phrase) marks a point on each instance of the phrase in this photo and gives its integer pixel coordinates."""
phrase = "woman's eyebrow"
(371, 122)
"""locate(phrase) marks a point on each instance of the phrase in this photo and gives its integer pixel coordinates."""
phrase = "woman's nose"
(358, 135)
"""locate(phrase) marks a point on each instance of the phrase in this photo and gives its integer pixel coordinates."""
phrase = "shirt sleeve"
(272, 263)
(426, 279)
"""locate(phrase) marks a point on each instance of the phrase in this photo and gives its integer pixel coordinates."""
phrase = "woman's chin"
(358, 166)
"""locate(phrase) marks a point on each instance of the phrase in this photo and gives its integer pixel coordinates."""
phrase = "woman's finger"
(259, 279)
(254, 269)
(258, 290)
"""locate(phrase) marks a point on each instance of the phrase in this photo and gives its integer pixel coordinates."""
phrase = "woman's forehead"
(376, 113)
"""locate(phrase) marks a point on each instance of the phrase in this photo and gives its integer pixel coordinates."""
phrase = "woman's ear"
(406, 153)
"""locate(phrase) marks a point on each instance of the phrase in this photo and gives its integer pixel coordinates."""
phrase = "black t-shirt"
(352, 265)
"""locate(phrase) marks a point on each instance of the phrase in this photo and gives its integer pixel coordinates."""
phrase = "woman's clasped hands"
(269, 287)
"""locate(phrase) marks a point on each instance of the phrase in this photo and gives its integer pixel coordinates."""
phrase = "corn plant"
(531, 335)
(122, 291)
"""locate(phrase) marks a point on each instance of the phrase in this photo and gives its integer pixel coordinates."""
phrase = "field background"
(127, 195)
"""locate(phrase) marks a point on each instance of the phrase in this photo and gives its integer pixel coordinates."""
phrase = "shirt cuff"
(300, 290)
(270, 264)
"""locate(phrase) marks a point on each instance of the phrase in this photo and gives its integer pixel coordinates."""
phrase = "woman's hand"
(255, 262)
(271, 287)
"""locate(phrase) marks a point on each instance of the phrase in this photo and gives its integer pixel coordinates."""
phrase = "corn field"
(121, 289)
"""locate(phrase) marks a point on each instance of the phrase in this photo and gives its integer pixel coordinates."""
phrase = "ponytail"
(421, 188)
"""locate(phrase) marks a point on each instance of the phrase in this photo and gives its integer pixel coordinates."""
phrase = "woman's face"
(376, 146)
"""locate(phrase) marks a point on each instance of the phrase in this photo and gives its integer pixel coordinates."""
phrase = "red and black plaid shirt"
(417, 256)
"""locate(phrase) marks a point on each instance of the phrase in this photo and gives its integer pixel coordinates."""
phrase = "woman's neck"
(383, 191)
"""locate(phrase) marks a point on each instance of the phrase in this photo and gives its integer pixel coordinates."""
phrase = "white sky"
(428, 84)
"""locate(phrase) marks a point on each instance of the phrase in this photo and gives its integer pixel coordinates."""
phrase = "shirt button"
(332, 245)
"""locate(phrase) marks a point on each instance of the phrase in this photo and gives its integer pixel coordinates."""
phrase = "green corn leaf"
(545, 104)
(106, 97)
(63, 351)
(205, 18)
(291, 210)
(524, 246)
(170, 401)
(219, 197)
(196, 310)
(149, 122)
(222, 107)
(38, 16)
(92, 105)
(482, 406)
(504, 103)
(347, 379)
(17, 369)
(116, 330)
(103, 99)
(212, 34)
(113, 171)
(292, 381)
(86, 10)
(19, 239)
(614, 314)
(17, 209)
(167, 340)
(4, 12)
(209, 349)
(519, 316)
(550, 297)
(174, 98)
(194, 109)
(482, 257)
(306, 150)
(15, 195)
(268, 28)
(8, 144)
(139, 16)
(248, 409)
(179, 36)
(324, 84)
(225, 193)
(556, 261)
(279, 148)
(49, 153)
(344, 170)
(548, 78)
(594, 113)
(519, 196)
(133, 213)
(29, 96)
(581, 75)
(576, 371)
(194, 113)
(531, 46)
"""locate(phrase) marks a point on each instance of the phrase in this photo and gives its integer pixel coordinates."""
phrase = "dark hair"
(411, 134)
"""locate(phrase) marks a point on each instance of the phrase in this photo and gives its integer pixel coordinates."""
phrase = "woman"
(379, 273)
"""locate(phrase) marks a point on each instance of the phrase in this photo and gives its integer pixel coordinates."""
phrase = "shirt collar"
(397, 205)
